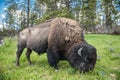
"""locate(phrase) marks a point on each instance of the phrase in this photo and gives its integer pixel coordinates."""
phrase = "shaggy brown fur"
(64, 33)
(65, 39)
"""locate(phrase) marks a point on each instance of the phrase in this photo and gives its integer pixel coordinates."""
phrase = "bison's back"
(37, 40)
(22, 37)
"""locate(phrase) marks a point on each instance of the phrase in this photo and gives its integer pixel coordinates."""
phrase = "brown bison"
(62, 39)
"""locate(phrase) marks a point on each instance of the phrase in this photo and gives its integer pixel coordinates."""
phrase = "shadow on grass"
(34, 64)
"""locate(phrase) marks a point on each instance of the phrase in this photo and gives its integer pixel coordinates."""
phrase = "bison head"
(83, 57)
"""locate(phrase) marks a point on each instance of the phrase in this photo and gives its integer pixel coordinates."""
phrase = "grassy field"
(107, 66)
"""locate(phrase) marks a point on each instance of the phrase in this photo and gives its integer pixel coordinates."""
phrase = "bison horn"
(79, 51)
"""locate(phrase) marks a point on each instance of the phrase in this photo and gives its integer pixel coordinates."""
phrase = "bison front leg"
(53, 58)
(18, 54)
(28, 55)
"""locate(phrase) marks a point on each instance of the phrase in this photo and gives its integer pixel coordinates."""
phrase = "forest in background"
(95, 16)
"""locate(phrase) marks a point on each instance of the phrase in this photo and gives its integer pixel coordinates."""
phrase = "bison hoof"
(56, 70)
(17, 64)
(29, 64)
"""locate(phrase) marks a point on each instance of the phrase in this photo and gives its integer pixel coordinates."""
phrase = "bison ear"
(79, 51)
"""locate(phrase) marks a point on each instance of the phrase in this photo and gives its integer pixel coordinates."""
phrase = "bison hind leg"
(53, 58)
(28, 55)
(18, 54)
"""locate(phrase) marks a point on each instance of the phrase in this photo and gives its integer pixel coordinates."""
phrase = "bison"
(62, 39)
(33, 38)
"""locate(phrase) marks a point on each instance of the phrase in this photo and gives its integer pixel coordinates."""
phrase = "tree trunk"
(108, 21)
(28, 11)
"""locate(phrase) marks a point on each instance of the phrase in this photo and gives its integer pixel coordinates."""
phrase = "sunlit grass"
(107, 66)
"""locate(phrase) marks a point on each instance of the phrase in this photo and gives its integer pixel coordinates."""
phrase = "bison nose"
(85, 68)
(82, 67)
(82, 64)
(91, 67)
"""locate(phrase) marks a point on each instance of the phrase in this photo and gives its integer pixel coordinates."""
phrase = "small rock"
(111, 50)
(113, 76)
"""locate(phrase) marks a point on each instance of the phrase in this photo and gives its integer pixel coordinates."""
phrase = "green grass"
(107, 66)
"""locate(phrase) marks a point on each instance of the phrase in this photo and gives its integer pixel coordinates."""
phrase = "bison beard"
(63, 40)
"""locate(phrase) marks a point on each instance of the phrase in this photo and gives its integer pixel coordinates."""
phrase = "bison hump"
(64, 32)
